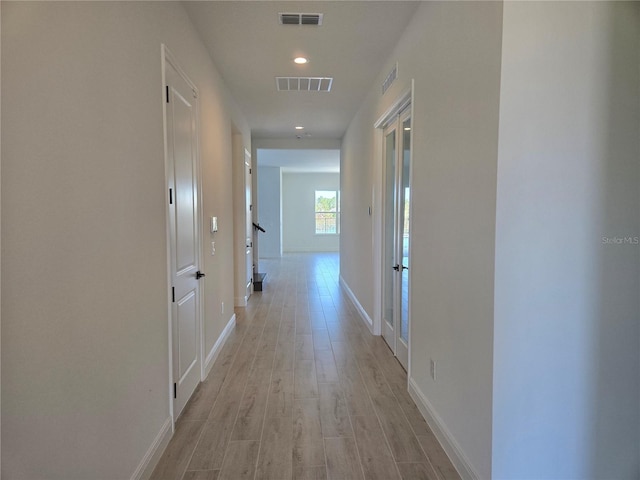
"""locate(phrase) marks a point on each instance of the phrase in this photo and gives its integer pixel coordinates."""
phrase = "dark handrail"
(258, 227)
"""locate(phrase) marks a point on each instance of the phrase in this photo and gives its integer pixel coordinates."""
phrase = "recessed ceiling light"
(299, 127)
(407, 129)
(301, 60)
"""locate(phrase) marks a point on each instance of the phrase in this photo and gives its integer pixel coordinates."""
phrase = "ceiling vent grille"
(393, 74)
(304, 84)
(300, 18)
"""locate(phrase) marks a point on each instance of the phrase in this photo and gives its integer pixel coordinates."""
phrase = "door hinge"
(171, 196)
(167, 92)
(175, 390)
(173, 294)
(250, 208)
(249, 171)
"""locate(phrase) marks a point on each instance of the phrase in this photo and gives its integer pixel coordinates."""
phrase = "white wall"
(357, 160)
(566, 388)
(548, 385)
(84, 298)
(452, 50)
(269, 199)
(298, 212)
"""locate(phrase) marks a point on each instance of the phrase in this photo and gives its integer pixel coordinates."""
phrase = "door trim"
(240, 155)
(394, 110)
(168, 58)
(248, 180)
(405, 100)
(400, 104)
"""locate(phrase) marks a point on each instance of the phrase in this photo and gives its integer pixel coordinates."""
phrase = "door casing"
(242, 169)
(402, 103)
(248, 207)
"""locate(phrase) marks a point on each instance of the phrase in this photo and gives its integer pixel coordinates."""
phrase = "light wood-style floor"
(302, 390)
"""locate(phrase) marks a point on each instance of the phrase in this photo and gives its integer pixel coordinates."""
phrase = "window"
(327, 212)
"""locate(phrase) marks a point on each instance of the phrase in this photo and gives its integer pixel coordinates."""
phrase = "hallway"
(301, 390)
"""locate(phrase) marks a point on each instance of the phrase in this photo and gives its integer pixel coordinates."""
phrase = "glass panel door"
(389, 234)
(397, 197)
(402, 344)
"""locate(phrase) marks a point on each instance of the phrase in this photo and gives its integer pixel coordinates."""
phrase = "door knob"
(199, 275)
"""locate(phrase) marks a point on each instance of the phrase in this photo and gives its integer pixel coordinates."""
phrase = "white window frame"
(337, 212)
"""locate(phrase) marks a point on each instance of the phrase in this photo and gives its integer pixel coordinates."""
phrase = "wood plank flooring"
(302, 390)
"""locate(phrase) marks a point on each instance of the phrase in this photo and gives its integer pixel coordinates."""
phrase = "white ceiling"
(300, 160)
(250, 48)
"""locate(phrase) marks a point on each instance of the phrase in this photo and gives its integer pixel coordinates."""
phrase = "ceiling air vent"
(304, 84)
(393, 74)
(300, 18)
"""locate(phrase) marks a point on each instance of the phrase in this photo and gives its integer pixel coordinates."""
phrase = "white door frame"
(168, 57)
(241, 157)
(402, 102)
(248, 188)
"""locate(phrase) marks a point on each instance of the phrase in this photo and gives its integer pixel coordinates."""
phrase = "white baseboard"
(215, 350)
(151, 458)
(363, 313)
(240, 301)
(450, 446)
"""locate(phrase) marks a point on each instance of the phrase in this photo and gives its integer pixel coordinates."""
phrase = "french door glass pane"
(390, 161)
(404, 206)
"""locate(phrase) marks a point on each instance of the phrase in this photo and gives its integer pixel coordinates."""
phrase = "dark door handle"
(405, 268)
(396, 267)
(199, 275)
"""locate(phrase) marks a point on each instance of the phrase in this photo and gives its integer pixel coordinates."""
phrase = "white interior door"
(248, 223)
(184, 228)
(396, 238)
